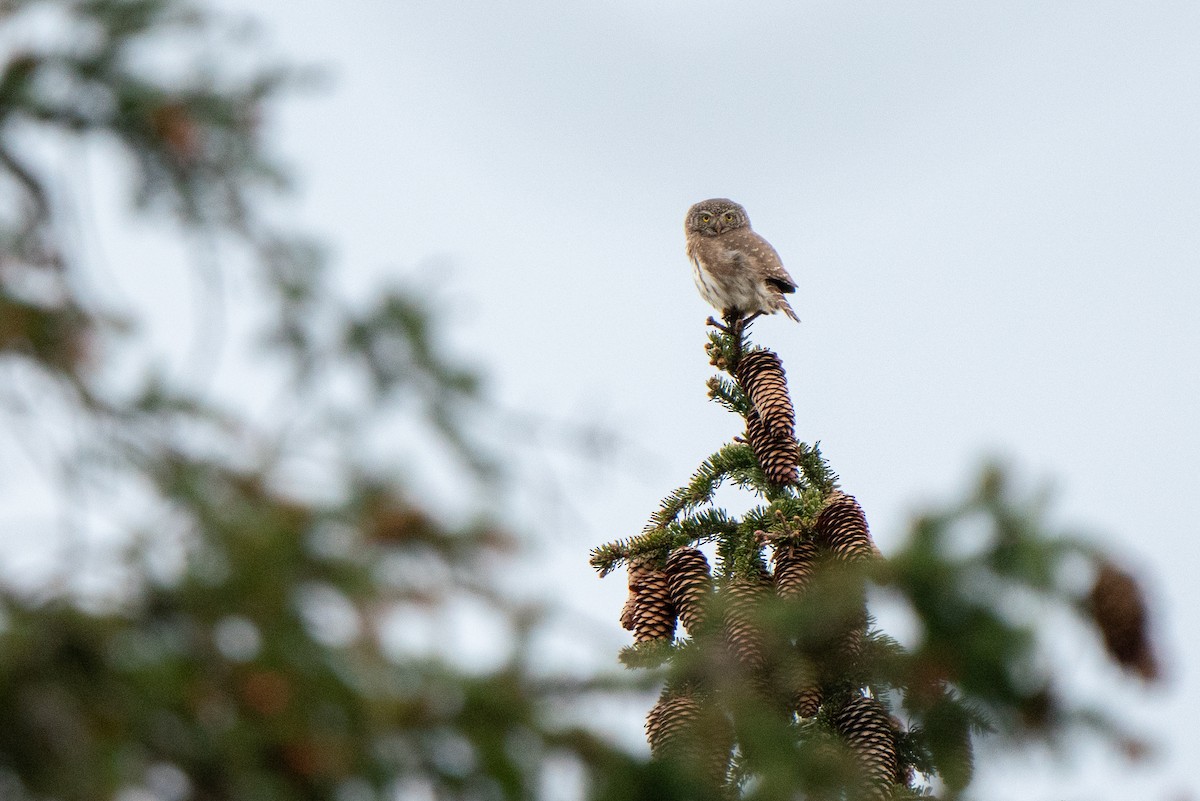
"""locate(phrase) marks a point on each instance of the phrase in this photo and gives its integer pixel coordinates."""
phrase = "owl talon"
(735, 324)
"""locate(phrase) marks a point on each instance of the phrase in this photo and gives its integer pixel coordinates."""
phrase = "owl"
(736, 270)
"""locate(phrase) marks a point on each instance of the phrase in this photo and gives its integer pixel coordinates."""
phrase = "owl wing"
(769, 264)
(784, 284)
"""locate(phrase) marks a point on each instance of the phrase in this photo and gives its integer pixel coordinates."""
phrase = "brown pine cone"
(850, 643)
(794, 565)
(760, 374)
(690, 585)
(679, 727)
(867, 729)
(807, 701)
(627, 621)
(742, 632)
(842, 527)
(1119, 609)
(802, 686)
(771, 420)
(652, 614)
(669, 721)
(775, 451)
(629, 610)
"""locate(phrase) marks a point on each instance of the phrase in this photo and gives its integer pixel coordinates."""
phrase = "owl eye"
(729, 217)
(705, 217)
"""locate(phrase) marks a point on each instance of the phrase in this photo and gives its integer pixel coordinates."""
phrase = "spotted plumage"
(736, 270)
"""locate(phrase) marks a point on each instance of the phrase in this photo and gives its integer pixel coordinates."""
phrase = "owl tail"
(782, 305)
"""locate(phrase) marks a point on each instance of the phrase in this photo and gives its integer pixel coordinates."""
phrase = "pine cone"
(775, 450)
(742, 632)
(771, 421)
(802, 686)
(760, 374)
(652, 613)
(794, 565)
(850, 643)
(637, 569)
(690, 585)
(867, 728)
(679, 727)
(850, 629)
(842, 527)
(669, 721)
(807, 701)
(627, 621)
(1119, 609)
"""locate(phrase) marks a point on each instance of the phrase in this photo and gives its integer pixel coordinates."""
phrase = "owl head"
(715, 216)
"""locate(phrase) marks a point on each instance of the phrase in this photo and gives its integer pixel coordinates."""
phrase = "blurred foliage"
(260, 641)
(268, 658)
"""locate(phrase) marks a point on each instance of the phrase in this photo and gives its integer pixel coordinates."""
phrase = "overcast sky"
(992, 212)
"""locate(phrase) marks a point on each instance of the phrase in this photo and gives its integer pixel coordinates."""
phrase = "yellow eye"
(729, 218)
(705, 217)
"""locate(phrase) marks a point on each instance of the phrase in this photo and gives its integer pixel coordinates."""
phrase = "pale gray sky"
(992, 212)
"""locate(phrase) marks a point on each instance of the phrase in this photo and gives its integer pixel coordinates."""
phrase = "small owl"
(736, 270)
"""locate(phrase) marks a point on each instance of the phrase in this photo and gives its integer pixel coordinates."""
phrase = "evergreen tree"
(782, 687)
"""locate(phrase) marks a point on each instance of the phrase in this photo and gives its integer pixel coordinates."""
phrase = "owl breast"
(724, 281)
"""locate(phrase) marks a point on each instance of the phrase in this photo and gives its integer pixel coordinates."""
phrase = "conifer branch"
(649, 654)
(654, 542)
(728, 394)
(708, 525)
(733, 460)
(766, 517)
(815, 469)
(726, 344)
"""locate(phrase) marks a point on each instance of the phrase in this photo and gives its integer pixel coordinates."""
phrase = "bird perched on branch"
(736, 270)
